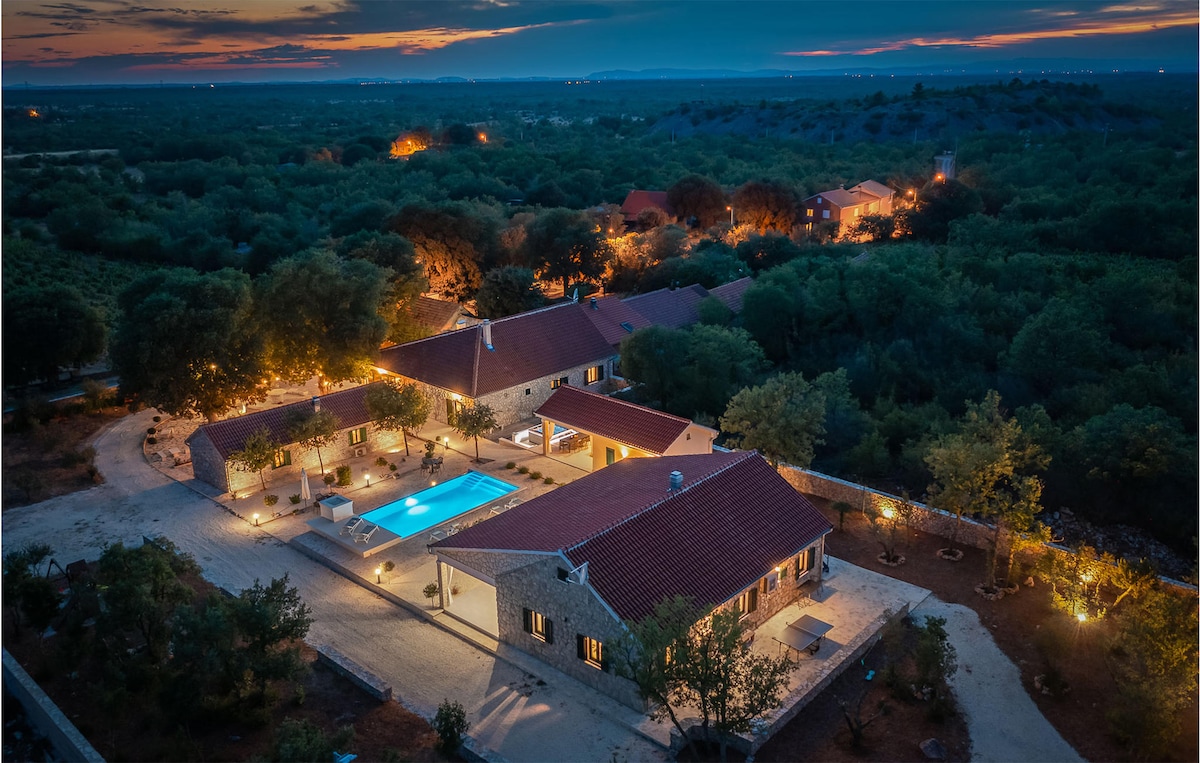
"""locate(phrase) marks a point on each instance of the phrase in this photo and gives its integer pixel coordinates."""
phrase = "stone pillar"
(547, 433)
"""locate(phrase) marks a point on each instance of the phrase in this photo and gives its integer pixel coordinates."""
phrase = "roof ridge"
(475, 362)
(286, 406)
(671, 494)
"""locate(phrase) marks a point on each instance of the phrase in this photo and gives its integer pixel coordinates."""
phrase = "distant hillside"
(1035, 107)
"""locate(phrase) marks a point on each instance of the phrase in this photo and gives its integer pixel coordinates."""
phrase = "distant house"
(563, 572)
(846, 206)
(438, 315)
(213, 444)
(637, 202)
(616, 430)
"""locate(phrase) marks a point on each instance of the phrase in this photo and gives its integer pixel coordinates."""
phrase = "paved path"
(1004, 723)
(508, 711)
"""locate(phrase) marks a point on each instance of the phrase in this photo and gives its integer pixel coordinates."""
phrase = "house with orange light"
(559, 576)
(845, 205)
(637, 202)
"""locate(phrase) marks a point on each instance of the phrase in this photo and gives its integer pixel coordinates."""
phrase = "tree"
(652, 357)
(474, 421)
(451, 724)
(46, 329)
(698, 198)
(257, 453)
(189, 344)
(405, 277)
(767, 205)
(313, 429)
(937, 205)
(395, 407)
(765, 252)
(27, 593)
(321, 316)
(141, 590)
(719, 362)
(565, 244)
(782, 419)
(450, 244)
(507, 291)
(979, 469)
(272, 621)
(301, 741)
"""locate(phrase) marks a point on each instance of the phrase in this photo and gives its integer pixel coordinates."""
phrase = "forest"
(1058, 268)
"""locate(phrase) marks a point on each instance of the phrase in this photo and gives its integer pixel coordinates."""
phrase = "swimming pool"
(432, 506)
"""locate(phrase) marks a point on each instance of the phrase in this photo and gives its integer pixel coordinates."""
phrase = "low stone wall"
(369, 682)
(926, 519)
(45, 716)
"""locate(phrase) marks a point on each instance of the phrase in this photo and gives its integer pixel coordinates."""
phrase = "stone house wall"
(574, 609)
(788, 590)
(207, 464)
(519, 402)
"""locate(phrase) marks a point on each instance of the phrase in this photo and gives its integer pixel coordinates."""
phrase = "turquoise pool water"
(433, 506)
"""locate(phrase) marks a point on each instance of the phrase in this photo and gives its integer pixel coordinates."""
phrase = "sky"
(200, 41)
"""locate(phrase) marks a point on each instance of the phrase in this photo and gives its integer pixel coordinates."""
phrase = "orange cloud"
(999, 40)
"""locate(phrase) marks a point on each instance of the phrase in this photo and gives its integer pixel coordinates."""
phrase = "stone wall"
(286, 479)
(519, 402)
(45, 716)
(574, 609)
(207, 464)
(788, 591)
(360, 676)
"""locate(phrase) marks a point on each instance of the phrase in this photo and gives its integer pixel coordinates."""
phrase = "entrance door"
(453, 408)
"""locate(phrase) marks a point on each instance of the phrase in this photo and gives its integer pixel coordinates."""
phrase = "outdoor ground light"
(256, 519)
(378, 572)
(367, 474)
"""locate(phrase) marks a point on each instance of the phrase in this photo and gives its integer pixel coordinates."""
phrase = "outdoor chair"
(364, 536)
(512, 502)
(437, 535)
(351, 526)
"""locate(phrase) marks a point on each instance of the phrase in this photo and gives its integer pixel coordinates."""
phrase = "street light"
(730, 216)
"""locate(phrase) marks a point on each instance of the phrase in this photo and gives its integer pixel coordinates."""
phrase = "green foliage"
(344, 477)
(767, 205)
(474, 421)
(46, 329)
(256, 454)
(782, 419)
(313, 429)
(535, 475)
(451, 725)
(564, 245)
(397, 407)
(301, 741)
(29, 596)
(698, 197)
(431, 591)
(270, 500)
(506, 291)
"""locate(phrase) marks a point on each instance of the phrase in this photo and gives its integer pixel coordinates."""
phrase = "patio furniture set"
(573, 443)
(359, 529)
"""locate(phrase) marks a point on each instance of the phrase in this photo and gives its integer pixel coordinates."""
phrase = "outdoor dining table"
(804, 634)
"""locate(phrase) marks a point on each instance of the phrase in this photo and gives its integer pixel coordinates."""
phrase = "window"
(562, 381)
(527, 390)
(594, 374)
(282, 458)
(820, 200)
(857, 211)
(591, 651)
(610, 456)
(772, 581)
(809, 212)
(563, 575)
(748, 601)
(805, 562)
(538, 625)
(825, 213)
(358, 436)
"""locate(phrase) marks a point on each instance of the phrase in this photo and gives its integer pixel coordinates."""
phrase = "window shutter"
(580, 653)
(600, 376)
(527, 620)
(604, 659)
(763, 585)
(549, 630)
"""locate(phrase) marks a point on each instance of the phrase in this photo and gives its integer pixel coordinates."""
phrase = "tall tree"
(783, 419)
(47, 328)
(720, 361)
(189, 344)
(653, 358)
(767, 205)
(506, 291)
(699, 198)
(395, 407)
(272, 621)
(313, 429)
(405, 277)
(256, 454)
(565, 244)
(450, 244)
(321, 316)
(474, 421)
(982, 468)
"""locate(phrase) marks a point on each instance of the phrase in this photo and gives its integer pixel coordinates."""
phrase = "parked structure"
(570, 567)
(846, 206)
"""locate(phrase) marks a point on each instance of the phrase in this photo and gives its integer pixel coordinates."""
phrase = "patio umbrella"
(305, 491)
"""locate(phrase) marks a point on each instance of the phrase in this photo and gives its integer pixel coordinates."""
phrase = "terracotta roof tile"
(525, 347)
(636, 201)
(629, 424)
(437, 314)
(874, 188)
(672, 308)
(230, 435)
(614, 318)
(734, 519)
(731, 293)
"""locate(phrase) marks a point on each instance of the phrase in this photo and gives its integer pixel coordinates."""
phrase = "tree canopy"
(48, 328)
(783, 419)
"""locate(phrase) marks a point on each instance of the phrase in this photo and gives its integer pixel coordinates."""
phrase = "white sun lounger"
(364, 535)
(351, 526)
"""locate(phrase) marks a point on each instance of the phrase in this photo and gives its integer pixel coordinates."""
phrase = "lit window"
(748, 601)
(282, 458)
(591, 651)
(562, 381)
(538, 625)
(810, 212)
(358, 436)
(594, 374)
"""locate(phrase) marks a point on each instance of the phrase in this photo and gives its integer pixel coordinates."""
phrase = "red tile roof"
(733, 519)
(437, 314)
(525, 347)
(628, 424)
(731, 293)
(230, 435)
(874, 188)
(838, 197)
(636, 201)
(608, 314)
(672, 308)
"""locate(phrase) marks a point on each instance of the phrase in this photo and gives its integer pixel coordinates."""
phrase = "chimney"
(676, 481)
(595, 305)
(316, 401)
(487, 333)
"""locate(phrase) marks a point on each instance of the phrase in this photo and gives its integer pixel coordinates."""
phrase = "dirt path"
(1004, 722)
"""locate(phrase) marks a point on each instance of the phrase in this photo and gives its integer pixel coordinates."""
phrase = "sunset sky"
(191, 41)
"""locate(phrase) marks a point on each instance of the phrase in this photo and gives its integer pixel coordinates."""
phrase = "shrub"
(302, 741)
(523, 470)
(381, 461)
(270, 500)
(389, 565)
(151, 441)
(549, 480)
(294, 498)
(329, 478)
(511, 465)
(157, 419)
(343, 475)
(450, 723)
(841, 507)
(151, 430)
(535, 475)
(391, 467)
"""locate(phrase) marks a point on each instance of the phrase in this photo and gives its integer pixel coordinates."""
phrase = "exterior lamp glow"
(730, 216)
(378, 572)
(256, 519)
(367, 474)
(1081, 617)
(888, 512)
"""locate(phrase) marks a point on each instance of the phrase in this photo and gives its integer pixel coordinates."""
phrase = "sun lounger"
(351, 526)
(437, 535)
(364, 535)
(512, 502)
